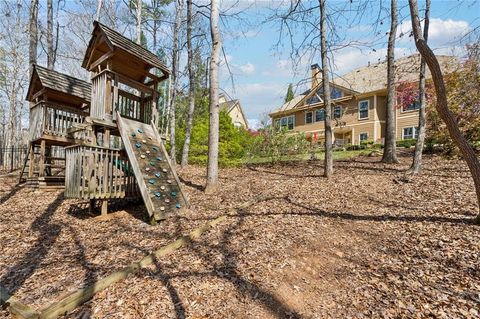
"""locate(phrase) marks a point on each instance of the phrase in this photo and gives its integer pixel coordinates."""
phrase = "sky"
(259, 72)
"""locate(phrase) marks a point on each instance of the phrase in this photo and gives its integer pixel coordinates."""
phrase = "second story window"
(411, 107)
(337, 112)
(320, 115)
(363, 110)
(308, 117)
(285, 122)
(335, 93)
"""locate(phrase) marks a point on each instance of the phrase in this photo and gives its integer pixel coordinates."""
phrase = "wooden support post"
(41, 170)
(104, 207)
(31, 160)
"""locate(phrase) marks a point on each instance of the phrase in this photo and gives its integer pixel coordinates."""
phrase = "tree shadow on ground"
(133, 207)
(191, 184)
(48, 233)
(11, 193)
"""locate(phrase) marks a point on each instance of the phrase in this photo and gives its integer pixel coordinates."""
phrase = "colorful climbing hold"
(142, 156)
(158, 194)
(138, 145)
(159, 158)
(155, 148)
(167, 200)
(140, 130)
(147, 169)
(148, 152)
(157, 174)
(169, 181)
(164, 170)
(173, 194)
(152, 163)
(162, 188)
(144, 141)
(178, 206)
(133, 134)
(162, 208)
(151, 181)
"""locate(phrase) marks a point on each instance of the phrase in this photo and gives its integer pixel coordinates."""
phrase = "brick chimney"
(316, 75)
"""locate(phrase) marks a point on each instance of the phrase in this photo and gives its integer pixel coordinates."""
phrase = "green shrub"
(356, 147)
(406, 143)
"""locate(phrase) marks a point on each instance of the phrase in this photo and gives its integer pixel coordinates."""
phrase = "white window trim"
(414, 132)
(359, 137)
(341, 111)
(313, 120)
(368, 110)
(315, 116)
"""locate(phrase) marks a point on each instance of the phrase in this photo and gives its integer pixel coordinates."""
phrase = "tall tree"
(139, 21)
(390, 150)
(442, 105)
(191, 86)
(50, 50)
(33, 32)
(213, 132)
(99, 10)
(328, 166)
(174, 78)
(290, 94)
(422, 117)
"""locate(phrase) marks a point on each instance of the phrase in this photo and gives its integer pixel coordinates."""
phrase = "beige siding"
(237, 116)
(406, 121)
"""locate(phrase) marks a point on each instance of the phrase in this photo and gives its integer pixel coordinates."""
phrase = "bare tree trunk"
(174, 77)
(442, 104)
(213, 133)
(191, 88)
(139, 21)
(99, 9)
(50, 51)
(422, 117)
(390, 150)
(328, 166)
(33, 30)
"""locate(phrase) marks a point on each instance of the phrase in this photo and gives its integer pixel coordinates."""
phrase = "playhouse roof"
(59, 82)
(120, 45)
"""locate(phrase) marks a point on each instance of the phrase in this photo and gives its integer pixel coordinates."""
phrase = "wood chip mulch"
(368, 243)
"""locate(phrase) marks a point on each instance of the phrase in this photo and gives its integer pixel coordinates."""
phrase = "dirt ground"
(368, 243)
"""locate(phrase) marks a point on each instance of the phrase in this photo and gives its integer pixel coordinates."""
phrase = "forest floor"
(367, 243)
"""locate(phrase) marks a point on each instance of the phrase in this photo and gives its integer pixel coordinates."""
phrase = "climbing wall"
(157, 180)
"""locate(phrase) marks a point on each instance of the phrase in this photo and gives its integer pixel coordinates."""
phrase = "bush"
(356, 147)
(377, 146)
(406, 143)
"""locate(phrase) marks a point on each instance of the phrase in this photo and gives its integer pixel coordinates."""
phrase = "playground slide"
(157, 180)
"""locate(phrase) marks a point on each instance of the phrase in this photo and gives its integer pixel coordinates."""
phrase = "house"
(234, 110)
(359, 103)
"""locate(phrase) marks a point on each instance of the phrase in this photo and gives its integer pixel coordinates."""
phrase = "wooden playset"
(99, 140)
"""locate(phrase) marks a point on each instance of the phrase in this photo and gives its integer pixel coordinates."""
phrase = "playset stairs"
(54, 167)
(156, 177)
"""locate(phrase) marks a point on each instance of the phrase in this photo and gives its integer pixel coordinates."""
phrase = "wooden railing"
(134, 107)
(98, 173)
(53, 119)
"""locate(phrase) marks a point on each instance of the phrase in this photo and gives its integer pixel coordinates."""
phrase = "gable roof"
(118, 41)
(59, 82)
(373, 77)
(228, 106)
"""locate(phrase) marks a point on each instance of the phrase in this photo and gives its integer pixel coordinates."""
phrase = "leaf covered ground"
(368, 243)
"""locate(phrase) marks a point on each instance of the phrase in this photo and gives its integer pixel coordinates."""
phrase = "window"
(363, 137)
(319, 115)
(409, 132)
(335, 93)
(411, 107)
(313, 99)
(285, 122)
(363, 110)
(337, 112)
(309, 117)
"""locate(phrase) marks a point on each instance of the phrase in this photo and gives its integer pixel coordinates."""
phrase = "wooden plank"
(169, 162)
(81, 296)
(123, 128)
